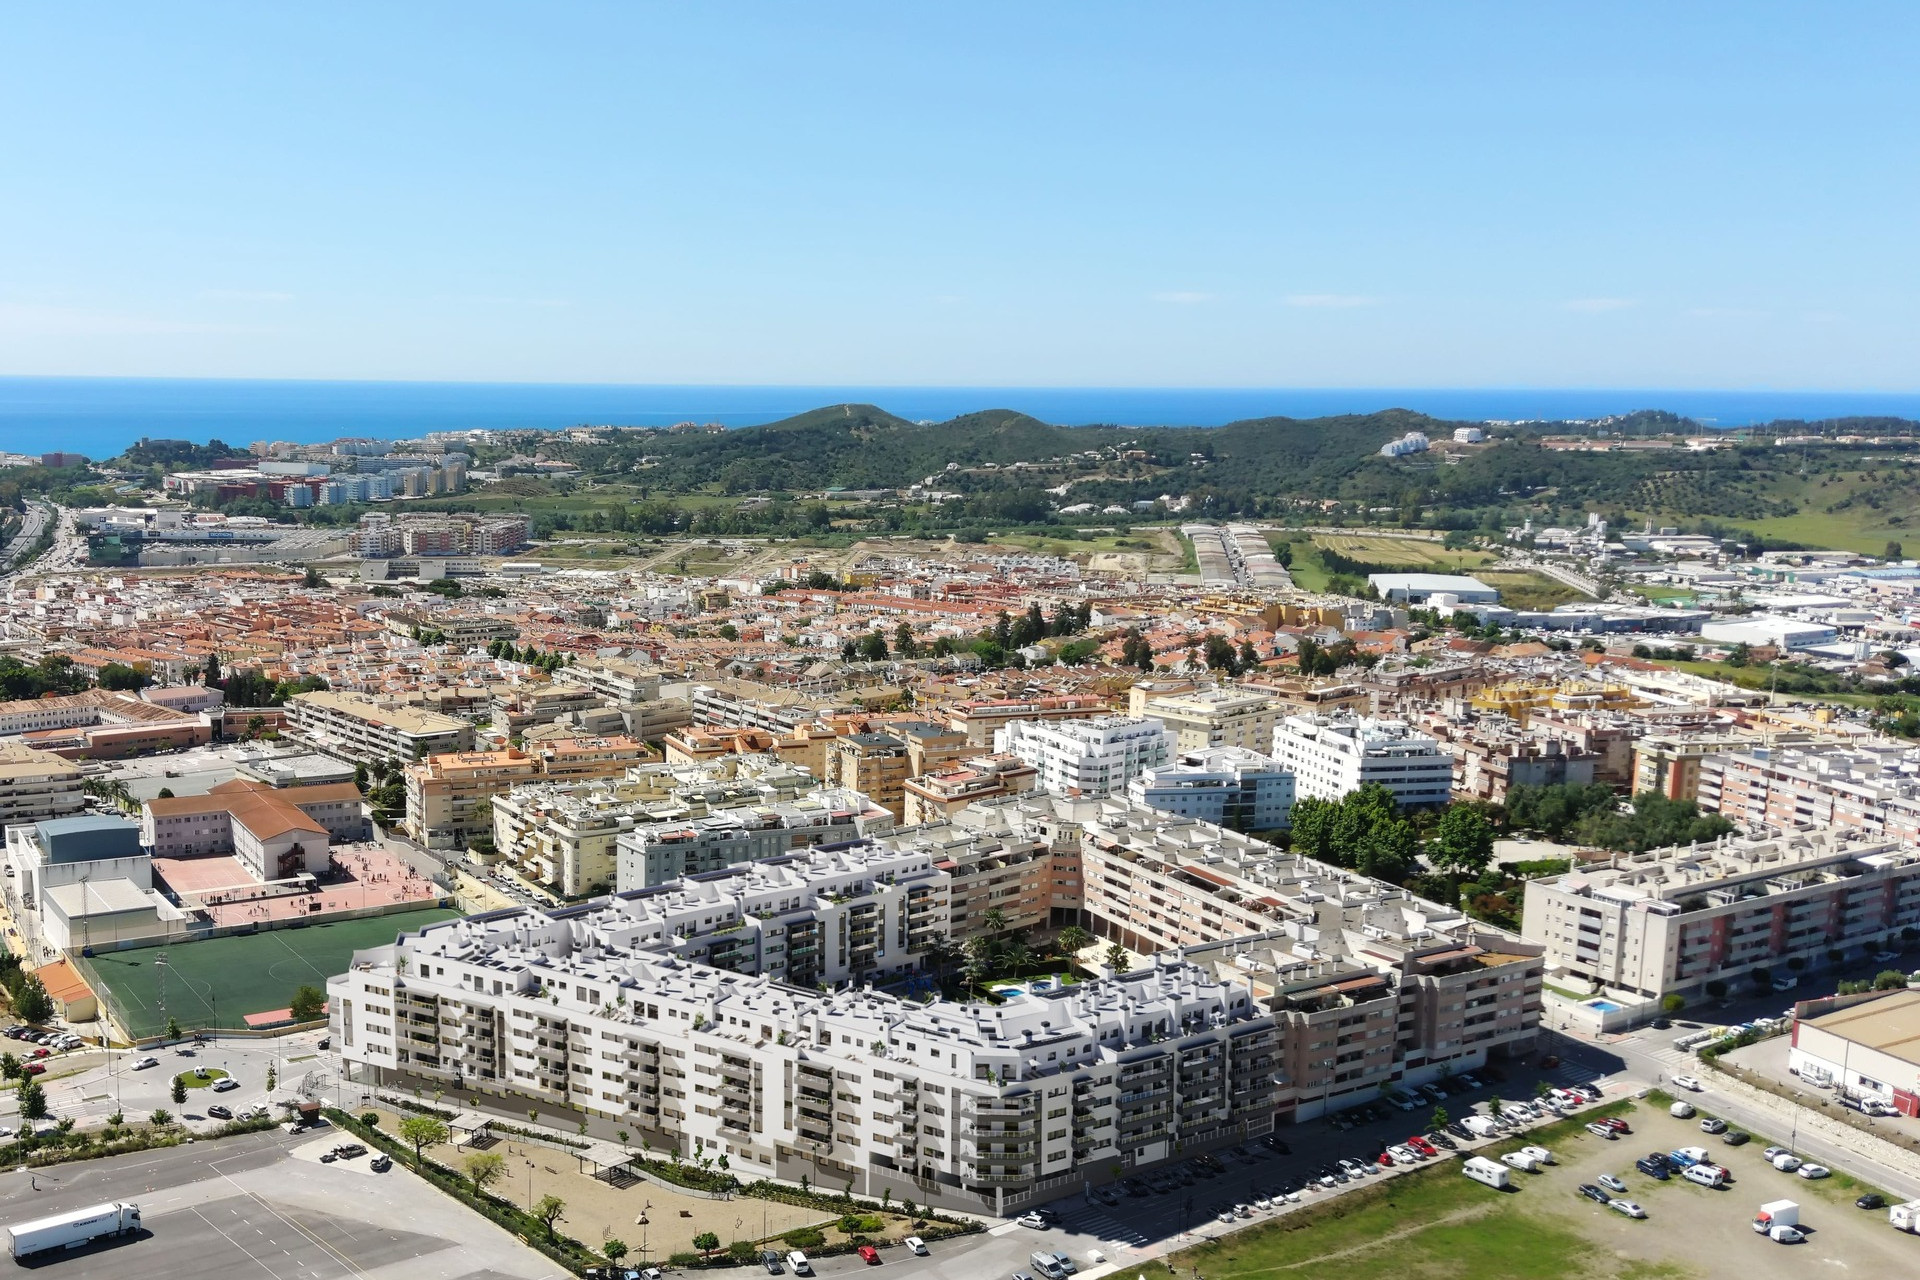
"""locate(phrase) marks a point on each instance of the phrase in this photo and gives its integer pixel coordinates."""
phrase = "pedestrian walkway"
(1094, 1219)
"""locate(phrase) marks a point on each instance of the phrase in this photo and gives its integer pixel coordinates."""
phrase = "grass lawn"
(1522, 589)
(201, 1078)
(1662, 595)
(1431, 1224)
(1309, 574)
(1421, 555)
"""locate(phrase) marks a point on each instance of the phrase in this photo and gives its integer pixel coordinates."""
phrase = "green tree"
(1672, 1002)
(614, 1250)
(1894, 551)
(549, 1209)
(422, 1132)
(1463, 841)
(312, 578)
(482, 1168)
(706, 1242)
(1889, 980)
(179, 1094)
(1073, 939)
(10, 1068)
(308, 1003)
(872, 647)
(1117, 958)
(32, 1002)
(173, 1028)
(161, 1118)
(32, 1099)
(1438, 1120)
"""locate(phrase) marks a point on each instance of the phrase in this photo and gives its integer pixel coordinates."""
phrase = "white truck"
(1776, 1213)
(65, 1230)
(1905, 1217)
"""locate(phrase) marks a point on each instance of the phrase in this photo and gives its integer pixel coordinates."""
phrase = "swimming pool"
(1604, 1006)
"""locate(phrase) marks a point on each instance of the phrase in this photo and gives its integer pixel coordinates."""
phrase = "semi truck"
(65, 1230)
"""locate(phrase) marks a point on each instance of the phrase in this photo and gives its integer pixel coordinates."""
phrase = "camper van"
(1905, 1217)
(1483, 1170)
(1521, 1160)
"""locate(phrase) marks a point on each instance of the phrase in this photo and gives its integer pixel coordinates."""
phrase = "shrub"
(371, 1119)
(854, 1223)
(805, 1238)
(686, 1261)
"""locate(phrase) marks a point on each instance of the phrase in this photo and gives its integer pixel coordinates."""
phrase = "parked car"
(36, 1068)
(1616, 1124)
(1870, 1201)
(1596, 1194)
(1611, 1183)
(1687, 1082)
(1786, 1162)
(1713, 1124)
(1773, 1153)
(1735, 1138)
(1541, 1154)
(381, 1163)
(219, 1112)
(1602, 1131)
(771, 1261)
(1627, 1207)
(1033, 1220)
(869, 1255)
(1653, 1168)
(1813, 1171)
(1786, 1235)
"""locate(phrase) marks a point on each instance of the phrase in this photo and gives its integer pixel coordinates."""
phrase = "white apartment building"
(575, 1012)
(356, 727)
(1646, 924)
(1228, 786)
(1087, 757)
(1333, 755)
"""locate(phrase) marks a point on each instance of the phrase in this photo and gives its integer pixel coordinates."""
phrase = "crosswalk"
(1092, 1218)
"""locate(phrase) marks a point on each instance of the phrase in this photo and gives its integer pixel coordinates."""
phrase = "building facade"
(1333, 755)
(1087, 757)
(1230, 787)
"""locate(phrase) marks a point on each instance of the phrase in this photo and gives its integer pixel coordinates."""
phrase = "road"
(31, 523)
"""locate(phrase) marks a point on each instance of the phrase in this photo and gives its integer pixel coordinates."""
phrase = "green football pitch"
(218, 982)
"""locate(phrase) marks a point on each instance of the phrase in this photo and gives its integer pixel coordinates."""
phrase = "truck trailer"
(65, 1230)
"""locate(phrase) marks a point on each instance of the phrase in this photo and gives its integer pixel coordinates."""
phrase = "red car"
(1424, 1147)
(1386, 1159)
(36, 1068)
(42, 1052)
(1616, 1124)
(869, 1254)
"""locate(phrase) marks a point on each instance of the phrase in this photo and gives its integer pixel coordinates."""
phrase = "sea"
(99, 417)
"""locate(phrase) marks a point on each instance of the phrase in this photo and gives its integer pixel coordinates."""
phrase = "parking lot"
(243, 1209)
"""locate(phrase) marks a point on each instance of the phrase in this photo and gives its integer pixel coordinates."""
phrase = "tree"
(1895, 551)
(872, 647)
(1463, 841)
(161, 1118)
(904, 643)
(211, 676)
(312, 578)
(1672, 1002)
(32, 1099)
(32, 1002)
(1117, 958)
(1439, 1119)
(308, 1003)
(173, 1028)
(179, 1093)
(165, 793)
(549, 1209)
(10, 1068)
(614, 1250)
(421, 1132)
(1716, 989)
(706, 1242)
(483, 1167)
(118, 675)
(995, 919)
(1073, 939)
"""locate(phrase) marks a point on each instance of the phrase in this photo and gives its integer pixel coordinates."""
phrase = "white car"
(1032, 1220)
(1403, 1154)
(1627, 1207)
(916, 1245)
(1611, 1183)
(1225, 1215)
(226, 1084)
(1786, 1163)
(1812, 1171)
(1601, 1131)
(1787, 1235)
(142, 1064)
(1688, 1082)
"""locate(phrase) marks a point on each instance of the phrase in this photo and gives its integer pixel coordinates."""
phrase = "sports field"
(218, 982)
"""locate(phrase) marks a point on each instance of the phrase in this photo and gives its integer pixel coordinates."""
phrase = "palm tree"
(1073, 940)
(1015, 958)
(996, 920)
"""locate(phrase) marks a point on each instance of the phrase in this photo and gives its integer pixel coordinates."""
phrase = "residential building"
(37, 784)
(1333, 755)
(939, 795)
(1087, 757)
(359, 728)
(979, 720)
(958, 1105)
(655, 852)
(1672, 920)
(1227, 786)
(1874, 791)
(879, 764)
(1215, 717)
(805, 747)
(447, 794)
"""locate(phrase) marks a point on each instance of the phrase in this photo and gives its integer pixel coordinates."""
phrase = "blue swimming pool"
(1604, 1006)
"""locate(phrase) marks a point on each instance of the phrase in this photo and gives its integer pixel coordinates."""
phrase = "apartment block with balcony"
(362, 729)
(656, 852)
(37, 784)
(939, 795)
(1214, 717)
(1089, 758)
(1875, 792)
(1332, 755)
(574, 1013)
(1673, 920)
(1228, 786)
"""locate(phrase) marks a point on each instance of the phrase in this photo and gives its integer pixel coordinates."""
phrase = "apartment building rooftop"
(1741, 866)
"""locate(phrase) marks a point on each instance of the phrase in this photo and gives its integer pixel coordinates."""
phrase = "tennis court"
(218, 982)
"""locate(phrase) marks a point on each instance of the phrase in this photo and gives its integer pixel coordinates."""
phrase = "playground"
(218, 982)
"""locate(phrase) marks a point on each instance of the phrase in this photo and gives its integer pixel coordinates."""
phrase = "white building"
(88, 882)
(1332, 755)
(1468, 435)
(1227, 786)
(1087, 757)
(1418, 588)
(1412, 442)
(577, 1013)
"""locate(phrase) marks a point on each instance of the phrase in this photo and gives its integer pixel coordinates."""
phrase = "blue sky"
(1064, 194)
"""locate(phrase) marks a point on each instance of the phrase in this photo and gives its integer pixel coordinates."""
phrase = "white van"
(1705, 1175)
(1521, 1160)
(1481, 1126)
(1483, 1170)
(798, 1264)
(1681, 1111)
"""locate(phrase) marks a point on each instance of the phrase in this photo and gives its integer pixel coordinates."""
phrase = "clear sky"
(1656, 195)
